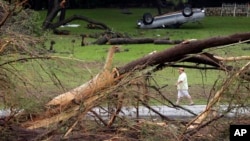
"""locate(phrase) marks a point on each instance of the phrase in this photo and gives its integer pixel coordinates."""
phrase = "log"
(169, 42)
(203, 58)
(101, 41)
(116, 41)
(175, 53)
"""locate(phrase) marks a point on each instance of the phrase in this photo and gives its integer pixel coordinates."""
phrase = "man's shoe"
(191, 104)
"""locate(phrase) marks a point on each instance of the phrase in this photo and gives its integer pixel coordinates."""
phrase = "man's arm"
(179, 82)
(180, 79)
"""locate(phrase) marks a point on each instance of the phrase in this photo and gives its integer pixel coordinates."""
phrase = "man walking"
(182, 87)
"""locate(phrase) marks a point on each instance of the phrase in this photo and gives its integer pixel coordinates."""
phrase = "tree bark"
(47, 24)
(116, 41)
(177, 52)
(78, 17)
(169, 42)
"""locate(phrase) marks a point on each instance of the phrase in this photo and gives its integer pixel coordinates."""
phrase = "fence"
(228, 9)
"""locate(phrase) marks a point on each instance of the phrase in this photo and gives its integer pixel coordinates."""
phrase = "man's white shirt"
(184, 85)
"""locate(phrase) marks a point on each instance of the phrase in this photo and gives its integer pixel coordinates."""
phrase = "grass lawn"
(209, 27)
(86, 61)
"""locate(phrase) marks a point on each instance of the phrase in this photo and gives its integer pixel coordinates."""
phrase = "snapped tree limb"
(176, 52)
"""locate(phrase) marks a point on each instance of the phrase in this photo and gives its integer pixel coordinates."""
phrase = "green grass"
(209, 27)
(91, 58)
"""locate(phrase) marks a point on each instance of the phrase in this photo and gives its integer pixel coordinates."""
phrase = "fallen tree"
(115, 38)
(118, 41)
(48, 22)
(90, 94)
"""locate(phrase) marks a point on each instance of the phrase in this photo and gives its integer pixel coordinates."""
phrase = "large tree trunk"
(48, 23)
(177, 52)
(92, 90)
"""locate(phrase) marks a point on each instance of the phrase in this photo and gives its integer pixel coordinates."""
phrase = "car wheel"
(187, 11)
(147, 18)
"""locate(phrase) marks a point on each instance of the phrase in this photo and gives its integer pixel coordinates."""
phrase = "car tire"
(187, 11)
(147, 18)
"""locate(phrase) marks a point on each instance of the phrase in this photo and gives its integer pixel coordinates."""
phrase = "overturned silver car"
(171, 20)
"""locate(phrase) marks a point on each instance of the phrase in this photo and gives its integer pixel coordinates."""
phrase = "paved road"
(4, 113)
(185, 112)
(164, 110)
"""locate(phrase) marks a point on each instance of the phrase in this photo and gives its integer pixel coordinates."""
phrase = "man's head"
(181, 70)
